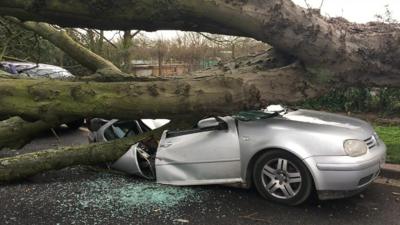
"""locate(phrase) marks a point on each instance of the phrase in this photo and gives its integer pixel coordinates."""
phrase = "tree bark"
(330, 49)
(5, 75)
(15, 132)
(244, 84)
(22, 166)
(327, 50)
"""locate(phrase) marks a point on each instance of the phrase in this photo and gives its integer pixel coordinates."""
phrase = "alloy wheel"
(281, 178)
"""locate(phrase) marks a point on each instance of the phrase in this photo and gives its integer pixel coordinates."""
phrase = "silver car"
(34, 70)
(286, 154)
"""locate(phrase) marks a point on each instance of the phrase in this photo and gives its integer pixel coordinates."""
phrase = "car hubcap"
(281, 178)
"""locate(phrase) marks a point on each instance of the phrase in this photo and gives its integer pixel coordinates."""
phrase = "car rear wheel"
(281, 177)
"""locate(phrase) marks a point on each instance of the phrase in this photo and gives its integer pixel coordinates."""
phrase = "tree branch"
(22, 166)
(368, 53)
(109, 41)
(15, 132)
(78, 52)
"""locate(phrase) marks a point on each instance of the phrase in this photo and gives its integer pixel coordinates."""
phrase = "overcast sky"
(359, 11)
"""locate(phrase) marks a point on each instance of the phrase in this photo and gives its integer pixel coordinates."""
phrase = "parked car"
(285, 153)
(34, 70)
(37, 71)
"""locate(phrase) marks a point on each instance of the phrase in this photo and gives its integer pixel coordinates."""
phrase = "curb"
(391, 171)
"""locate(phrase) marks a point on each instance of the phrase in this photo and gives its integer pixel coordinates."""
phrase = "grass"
(391, 136)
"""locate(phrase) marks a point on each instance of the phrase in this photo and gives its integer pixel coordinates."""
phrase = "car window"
(122, 129)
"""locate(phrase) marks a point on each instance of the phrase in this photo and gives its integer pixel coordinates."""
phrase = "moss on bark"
(22, 166)
(15, 132)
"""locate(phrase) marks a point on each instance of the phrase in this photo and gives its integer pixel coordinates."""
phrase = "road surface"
(93, 195)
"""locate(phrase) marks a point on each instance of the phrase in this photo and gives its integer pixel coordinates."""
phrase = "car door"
(206, 155)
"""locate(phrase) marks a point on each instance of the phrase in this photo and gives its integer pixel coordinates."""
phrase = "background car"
(38, 71)
(34, 70)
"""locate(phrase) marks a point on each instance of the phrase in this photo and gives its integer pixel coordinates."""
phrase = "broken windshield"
(254, 115)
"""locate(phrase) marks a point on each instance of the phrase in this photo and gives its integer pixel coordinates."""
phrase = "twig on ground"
(55, 134)
(251, 217)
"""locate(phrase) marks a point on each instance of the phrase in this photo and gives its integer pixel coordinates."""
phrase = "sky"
(359, 11)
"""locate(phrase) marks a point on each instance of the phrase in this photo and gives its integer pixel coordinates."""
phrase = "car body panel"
(225, 156)
(304, 133)
(345, 172)
(34, 70)
(129, 163)
(205, 157)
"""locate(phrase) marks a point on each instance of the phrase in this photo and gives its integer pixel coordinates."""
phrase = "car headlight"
(355, 148)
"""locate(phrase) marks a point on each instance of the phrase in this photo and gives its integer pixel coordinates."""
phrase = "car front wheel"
(281, 177)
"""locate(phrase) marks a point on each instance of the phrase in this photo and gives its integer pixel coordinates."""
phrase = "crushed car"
(285, 153)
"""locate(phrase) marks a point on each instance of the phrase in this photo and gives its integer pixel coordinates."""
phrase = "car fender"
(248, 157)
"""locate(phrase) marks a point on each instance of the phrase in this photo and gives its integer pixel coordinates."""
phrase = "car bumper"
(343, 176)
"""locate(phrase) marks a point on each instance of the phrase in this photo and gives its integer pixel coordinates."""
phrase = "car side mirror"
(212, 123)
(209, 122)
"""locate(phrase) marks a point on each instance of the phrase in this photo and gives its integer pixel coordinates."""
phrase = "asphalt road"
(87, 195)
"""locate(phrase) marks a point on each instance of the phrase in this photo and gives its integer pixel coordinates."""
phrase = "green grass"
(391, 136)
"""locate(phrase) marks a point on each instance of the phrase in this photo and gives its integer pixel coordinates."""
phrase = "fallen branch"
(15, 132)
(251, 217)
(26, 165)
(78, 52)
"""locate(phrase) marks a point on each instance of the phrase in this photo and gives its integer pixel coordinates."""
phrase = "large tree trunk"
(238, 85)
(327, 51)
(331, 49)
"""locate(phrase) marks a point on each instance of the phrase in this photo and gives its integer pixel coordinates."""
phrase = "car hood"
(327, 119)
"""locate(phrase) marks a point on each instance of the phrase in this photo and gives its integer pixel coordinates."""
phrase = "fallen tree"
(334, 49)
(16, 132)
(248, 82)
(313, 53)
(26, 165)
(222, 90)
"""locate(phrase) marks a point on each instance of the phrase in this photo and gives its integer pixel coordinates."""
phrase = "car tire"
(76, 124)
(282, 177)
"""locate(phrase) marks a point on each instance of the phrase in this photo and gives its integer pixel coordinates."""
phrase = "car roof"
(35, 69)
(41, 65)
